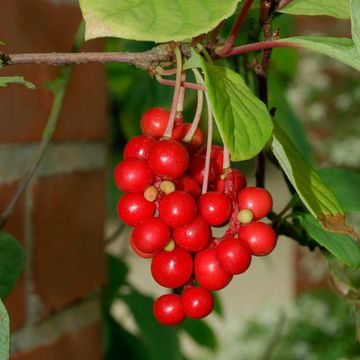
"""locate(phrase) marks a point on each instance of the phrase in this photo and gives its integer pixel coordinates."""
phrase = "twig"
(242, 49)
(59, 86)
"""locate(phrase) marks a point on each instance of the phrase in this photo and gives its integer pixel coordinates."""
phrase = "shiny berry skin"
(260, 237)
(151, 235)
(215, 207)
(172, 269)
(168, 309)
(133, 175)
(134, 208)
(193, 236)
(234, 256)
(177, 208)
(195, 143)
(197, 302)
(258, 200)
(154, 122)
(168, 159)
(139, 252)
(188, 184)
(217, 158)
(197, 169)
(208, 271)
(238, 181)
(138, 147)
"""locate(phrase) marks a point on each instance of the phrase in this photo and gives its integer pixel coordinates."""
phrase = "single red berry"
(151, 235)
(237, 178)
(139, 252)
(189, 185)
(154, 122)
(193, 236)
(197, 169)
(195, 143)
(215, 207)
(260, 237)
(197, 302)
(133, 175)
(134, 208)
(138, 147)
(177, 208)
(168, 309)
(258, 200)
(168, 159)
(172, 269)
(208, 271)
(234, 256)
(217, 158)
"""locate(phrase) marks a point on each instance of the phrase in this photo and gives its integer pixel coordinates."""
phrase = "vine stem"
(185, 84)
(235, 29)
(180, 104)
(195, 124)
(261, 45)
(170, 125)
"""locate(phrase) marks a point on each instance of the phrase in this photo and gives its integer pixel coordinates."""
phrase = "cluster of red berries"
(172, 220)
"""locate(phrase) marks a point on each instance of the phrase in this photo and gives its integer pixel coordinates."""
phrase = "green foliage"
(200, 332)
(336, 8)
(355, 23)
(341, 49)
(6, 80)
(342, 246)
(242, 119)
(12, 261)
(153, 20)
(345, 184)
(4, 333)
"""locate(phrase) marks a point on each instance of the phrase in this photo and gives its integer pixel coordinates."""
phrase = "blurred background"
(83, 294)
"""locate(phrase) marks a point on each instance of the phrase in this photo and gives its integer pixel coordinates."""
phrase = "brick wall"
(54, 308)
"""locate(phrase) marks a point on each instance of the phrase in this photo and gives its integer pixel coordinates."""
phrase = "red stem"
(188, 85)
(242, 49)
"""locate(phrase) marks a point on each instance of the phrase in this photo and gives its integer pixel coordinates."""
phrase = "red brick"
(39, 26)
(68, 223)
(82, 345)
(15, 302)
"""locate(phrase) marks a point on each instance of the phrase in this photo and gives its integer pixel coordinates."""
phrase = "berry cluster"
(172, 219)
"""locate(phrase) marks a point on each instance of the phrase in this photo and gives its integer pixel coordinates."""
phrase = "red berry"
(260, 237)
(177, 208)
(238, 180)
(195, 143)
(193, 236)
(208, 271)
(197, 302)
(168, 309)
(154, 122)
(151, 235)
(258, 200)
(168, 158)
(188, 184)
(133, 175)
(215, 207)
(197, 169)
(234, 256)
(139, 147)
(137, 251)
(172, 269)
(217, 158)
(134, 208)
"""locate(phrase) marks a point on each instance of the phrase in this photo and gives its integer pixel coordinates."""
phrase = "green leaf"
(200, 332)
(4, 333)
(341, 49)
(5, 81)
(12, 260)
(153, 20)
(345, 185)
(355, 23)
(242, 119)
(337, 8)
(341, 246)
(313, 191)
(161, 341)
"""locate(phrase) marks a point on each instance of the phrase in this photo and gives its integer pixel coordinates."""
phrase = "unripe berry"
(139, 147)
(177, 208)
(258, 200)
(168, 309)
(197, 302)
(154, 122)
(197, 169)
(168, 159)
(260, 237)
(195, 143)
(172, 269)
(167, 187)
(215, 207)
(134, 208)
(245, 216)
(234, 256)
(189, 185)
